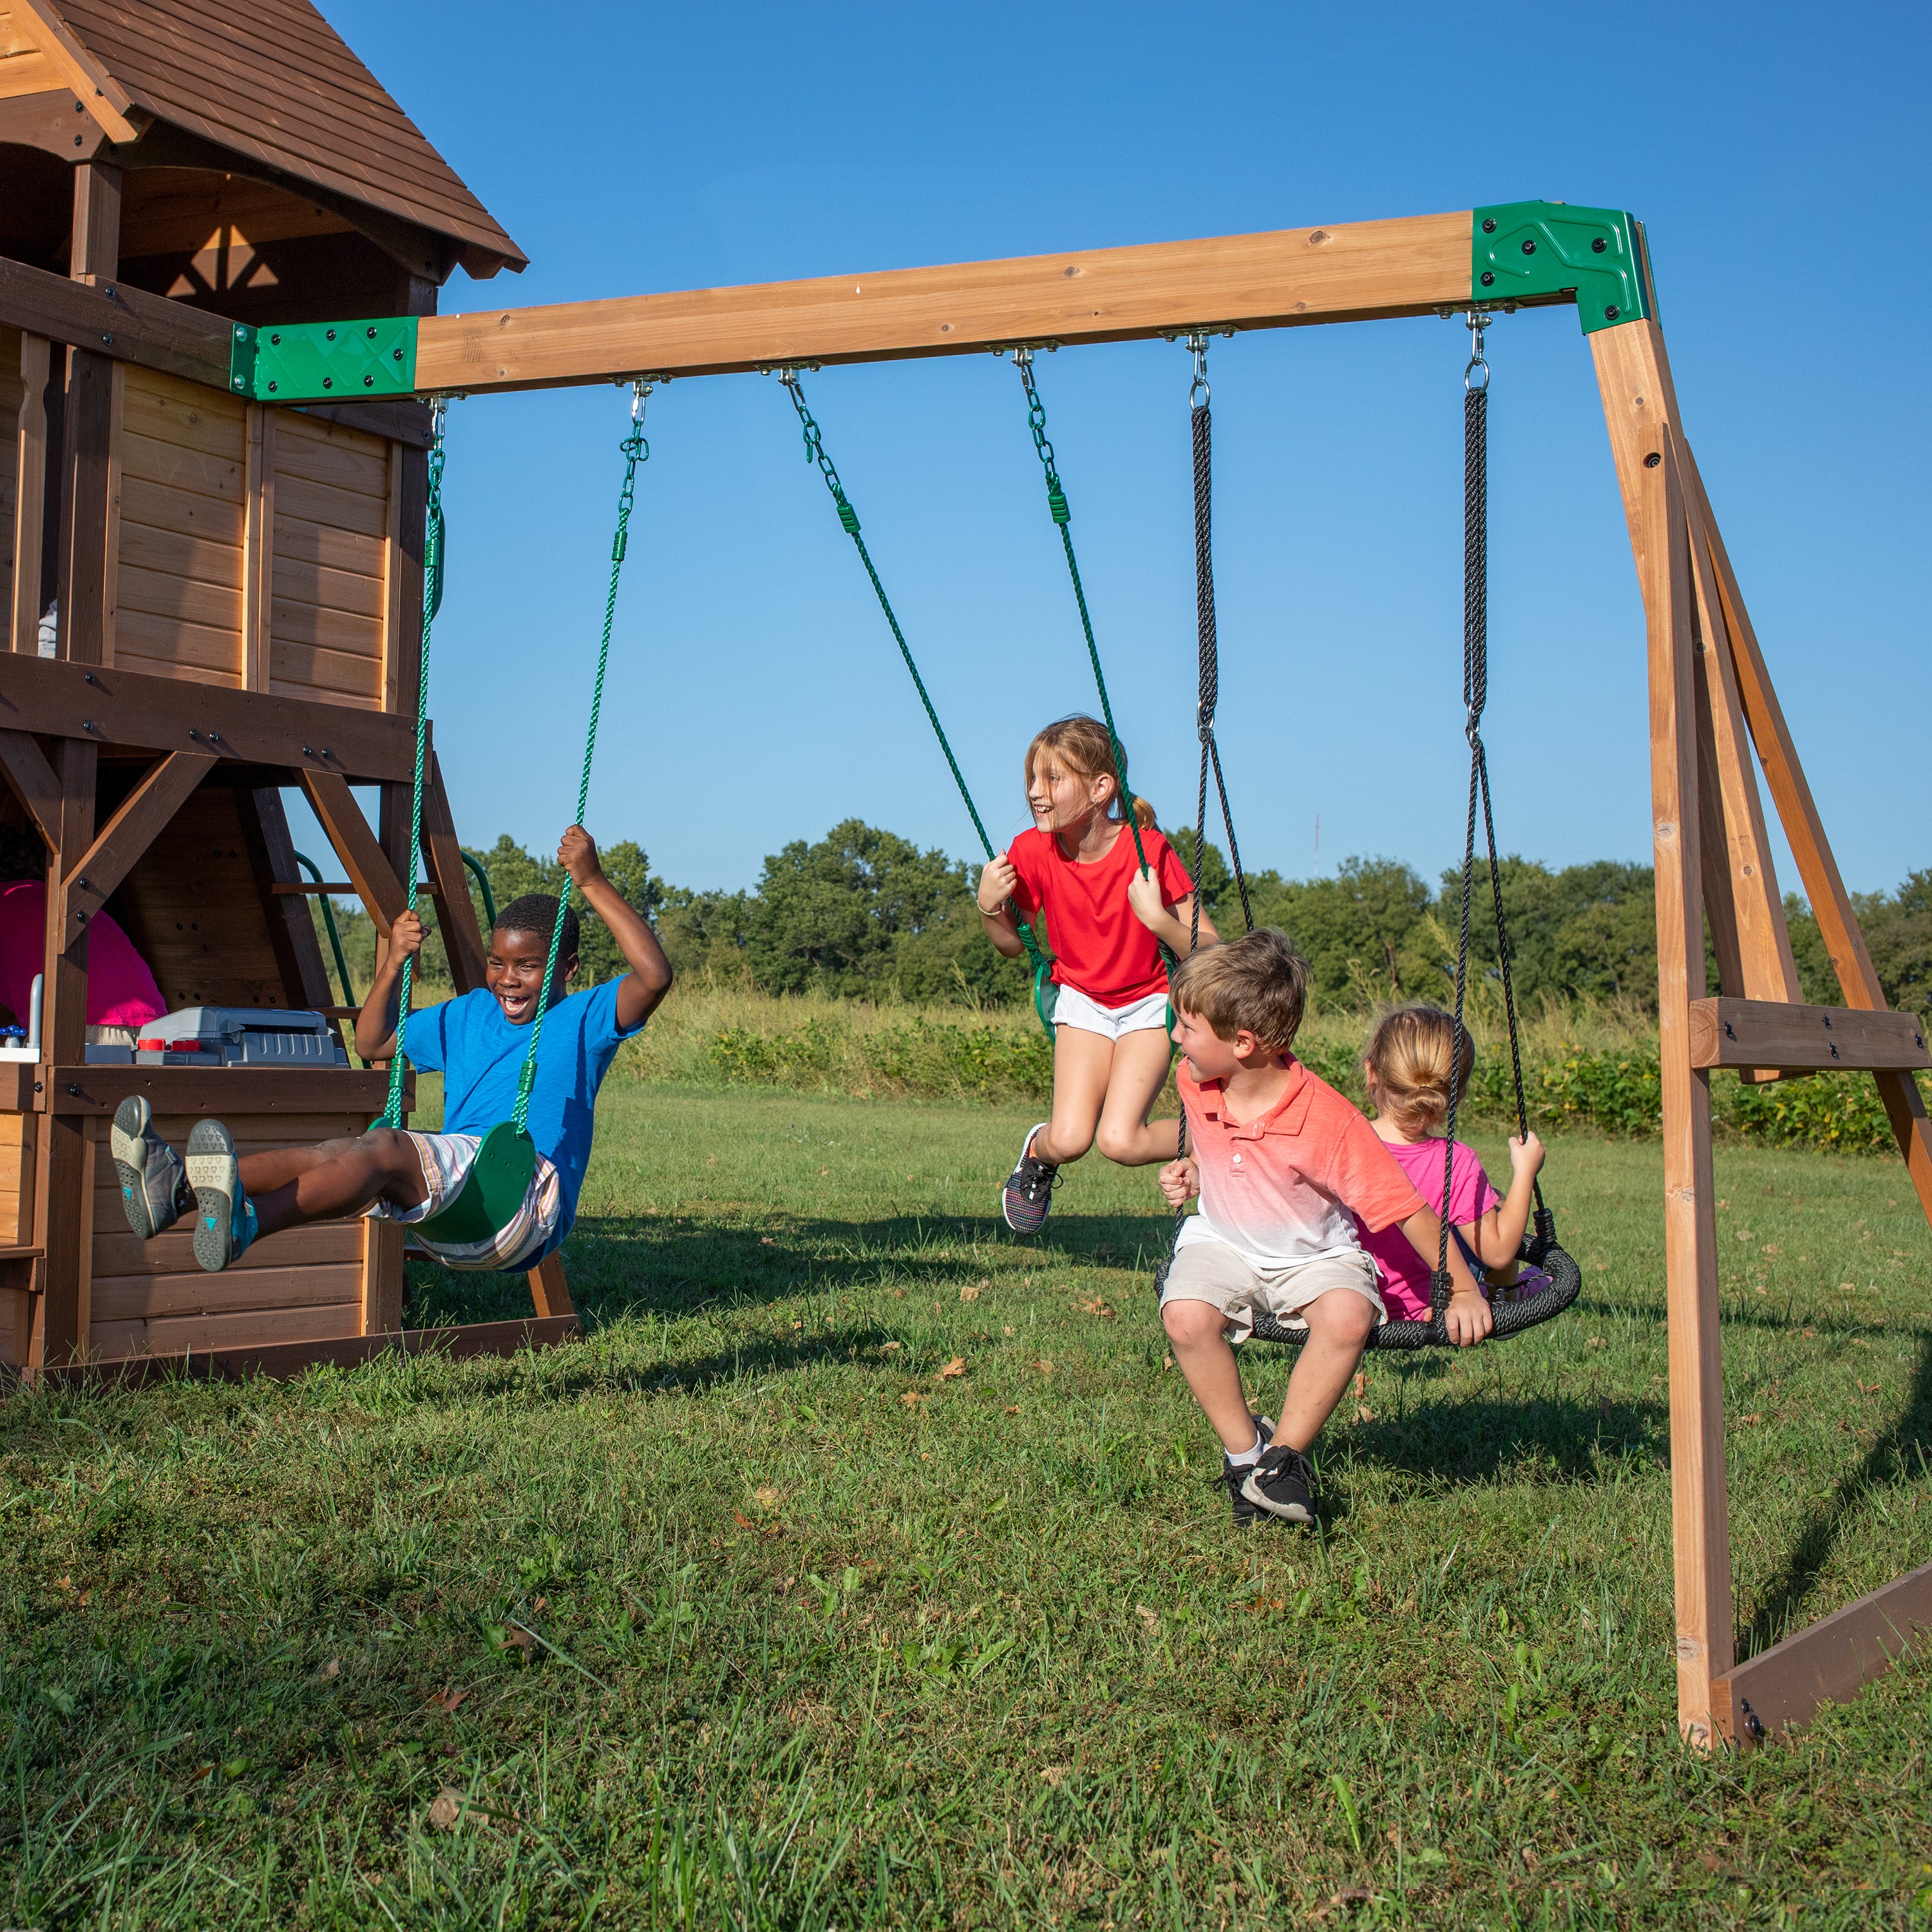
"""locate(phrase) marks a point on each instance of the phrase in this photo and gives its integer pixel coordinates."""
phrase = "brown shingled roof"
(271, 81)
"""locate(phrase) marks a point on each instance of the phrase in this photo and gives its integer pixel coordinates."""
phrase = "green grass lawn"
(865, 1567)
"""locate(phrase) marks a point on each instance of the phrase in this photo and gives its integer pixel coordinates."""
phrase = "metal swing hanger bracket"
(365, 361)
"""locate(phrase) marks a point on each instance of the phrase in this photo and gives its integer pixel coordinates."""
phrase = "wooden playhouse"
(207, 598)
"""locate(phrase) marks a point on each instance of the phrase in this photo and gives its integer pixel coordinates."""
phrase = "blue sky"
(756, 696)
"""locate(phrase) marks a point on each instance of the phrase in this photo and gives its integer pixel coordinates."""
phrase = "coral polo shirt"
(1285, 1188)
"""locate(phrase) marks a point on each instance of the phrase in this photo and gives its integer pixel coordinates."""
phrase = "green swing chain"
(1062, 516)
(432, 553)
(848, 518)
(636, 450)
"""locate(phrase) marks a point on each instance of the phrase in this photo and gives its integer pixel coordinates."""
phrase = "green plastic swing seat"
(500, 1178)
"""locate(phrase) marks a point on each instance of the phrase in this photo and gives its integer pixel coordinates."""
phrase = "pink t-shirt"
(121, 991)
(1405, 1273)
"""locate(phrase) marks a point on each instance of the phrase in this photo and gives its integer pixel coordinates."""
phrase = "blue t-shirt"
(481, 1056)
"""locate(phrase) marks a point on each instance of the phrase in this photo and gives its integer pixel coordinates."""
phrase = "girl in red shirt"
(1104, 916)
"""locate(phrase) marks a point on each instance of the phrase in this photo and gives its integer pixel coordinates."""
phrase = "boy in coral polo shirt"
(1283, 1164)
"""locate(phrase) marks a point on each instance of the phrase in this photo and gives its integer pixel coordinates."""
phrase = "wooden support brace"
(549, 1292)
(357, 846)
(382, 1277)
(1825, 1663)
(462, 938)
(1799, 1039)
(34, 783)
(142, 816)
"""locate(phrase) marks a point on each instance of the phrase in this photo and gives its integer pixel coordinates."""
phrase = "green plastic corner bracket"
(1525, 250)
(325, 362)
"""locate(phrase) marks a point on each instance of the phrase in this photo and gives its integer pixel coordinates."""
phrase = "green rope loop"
(848, 518)
(432, 553)
(1056, 503)
(635, 450)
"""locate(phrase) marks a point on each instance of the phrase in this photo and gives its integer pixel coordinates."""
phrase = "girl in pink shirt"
(1407, 1068)
(1105, 920)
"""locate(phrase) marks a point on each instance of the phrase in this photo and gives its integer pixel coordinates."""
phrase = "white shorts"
(1206, 1269)
(1148, 1014)
(446, 1161)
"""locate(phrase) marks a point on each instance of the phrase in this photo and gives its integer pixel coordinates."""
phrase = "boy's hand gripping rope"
(635, 450)
(848, 519)
(433, 556)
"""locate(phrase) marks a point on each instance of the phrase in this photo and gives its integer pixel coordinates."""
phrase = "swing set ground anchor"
(1535, 251)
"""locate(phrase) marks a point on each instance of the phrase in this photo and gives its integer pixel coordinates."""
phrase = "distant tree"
(514, 871)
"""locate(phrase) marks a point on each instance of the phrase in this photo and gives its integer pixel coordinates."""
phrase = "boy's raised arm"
(1468, 1317)
(642, 988)
(376, 1024)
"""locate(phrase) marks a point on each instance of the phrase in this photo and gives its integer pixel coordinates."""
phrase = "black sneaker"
(1029, 1190)
(1245, 1512)
(1282, 1483)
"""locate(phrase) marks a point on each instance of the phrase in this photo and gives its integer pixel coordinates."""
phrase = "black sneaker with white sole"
(1245, 1512)
(1282, 1483)
(1029, 1189)
(154, 1182)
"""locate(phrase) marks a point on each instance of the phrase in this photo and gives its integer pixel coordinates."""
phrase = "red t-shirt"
(1100, 949)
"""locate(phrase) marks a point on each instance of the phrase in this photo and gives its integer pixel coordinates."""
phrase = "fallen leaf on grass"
(333, 1668)
(1014, 1410)
(1167, 1362)
(1008, 1331)
(1807, 1331)
(1094, 1305)
(449, 1701)
(447, 1809)
(507, 1637)
(1361, 1384)
(887, 1348)
(765, 1496)
(1754, 1418)
(1055, 1775)
(1363, 1413)
(1596, 1342)
(957, 1367)
(1151, 1617)
(1356, 1894)
(913, 1397)
(744, 1521)
(1045, 1368)
(971, 1292)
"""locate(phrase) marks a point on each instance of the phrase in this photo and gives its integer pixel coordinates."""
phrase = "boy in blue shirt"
(479, 1043)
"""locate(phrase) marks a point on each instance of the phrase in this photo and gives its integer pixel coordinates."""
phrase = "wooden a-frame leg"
(1634, 383)
(456, 916)
(1830, 903)
(548, 1291)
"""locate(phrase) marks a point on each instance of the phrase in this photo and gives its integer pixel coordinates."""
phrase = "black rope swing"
(1550, 1279)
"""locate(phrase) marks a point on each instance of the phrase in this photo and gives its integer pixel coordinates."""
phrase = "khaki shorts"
(446, 1160)
(1206, 1270)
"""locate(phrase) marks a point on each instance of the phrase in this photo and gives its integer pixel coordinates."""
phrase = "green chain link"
(848, 519)
(433, 552)
(1056, 503)
(636, 450)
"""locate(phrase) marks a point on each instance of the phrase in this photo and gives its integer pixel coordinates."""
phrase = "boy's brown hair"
(1414, 1055)
(1258, 982)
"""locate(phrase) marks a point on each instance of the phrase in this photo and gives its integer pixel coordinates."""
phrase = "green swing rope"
(636, 450)
(1062, 518)
(433, 554)
(848, 518)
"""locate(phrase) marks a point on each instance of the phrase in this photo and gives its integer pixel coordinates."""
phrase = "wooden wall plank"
(195, 1293)
(170, 1335)
(23, 612)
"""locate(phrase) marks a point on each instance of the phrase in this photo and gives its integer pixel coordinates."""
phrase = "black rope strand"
(1211, 671)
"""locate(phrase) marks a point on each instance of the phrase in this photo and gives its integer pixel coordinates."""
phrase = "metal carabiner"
(1477, 323)
(1199, 392)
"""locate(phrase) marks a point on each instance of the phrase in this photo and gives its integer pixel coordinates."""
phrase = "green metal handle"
(309, 866)
(482, 879)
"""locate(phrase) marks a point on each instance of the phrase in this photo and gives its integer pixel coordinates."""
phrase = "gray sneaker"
(224, 1220)
(1282, 1483)
(1029, 1189)
(154, 1183)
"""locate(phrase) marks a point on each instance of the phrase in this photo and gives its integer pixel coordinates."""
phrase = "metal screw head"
(1489, 279)
(273, 387)
(332, 334)
(396, 355)
(1611, 312)
(1529, 247)
(241, 332)
(275, 339)
(328, 382)
(368, 382)
(371, 334)
(1598, 245)
(1651, 461)
(1489, 224)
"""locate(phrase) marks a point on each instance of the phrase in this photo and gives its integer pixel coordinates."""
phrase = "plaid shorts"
(446, 1161)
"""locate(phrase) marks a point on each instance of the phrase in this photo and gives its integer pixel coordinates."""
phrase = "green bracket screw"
(1533, 251)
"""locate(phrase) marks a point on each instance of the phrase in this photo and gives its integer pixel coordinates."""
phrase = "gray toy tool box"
(238, 1036)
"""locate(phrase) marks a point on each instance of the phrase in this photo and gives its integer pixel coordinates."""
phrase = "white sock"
(1248, 1457)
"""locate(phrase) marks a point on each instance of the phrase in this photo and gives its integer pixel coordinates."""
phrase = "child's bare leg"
(1195, 1331)
(1083, 1063)
(340, 1178)
(1339, 1323)
(1140, 1062)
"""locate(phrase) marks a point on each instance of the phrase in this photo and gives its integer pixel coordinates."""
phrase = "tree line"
(862, 913)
